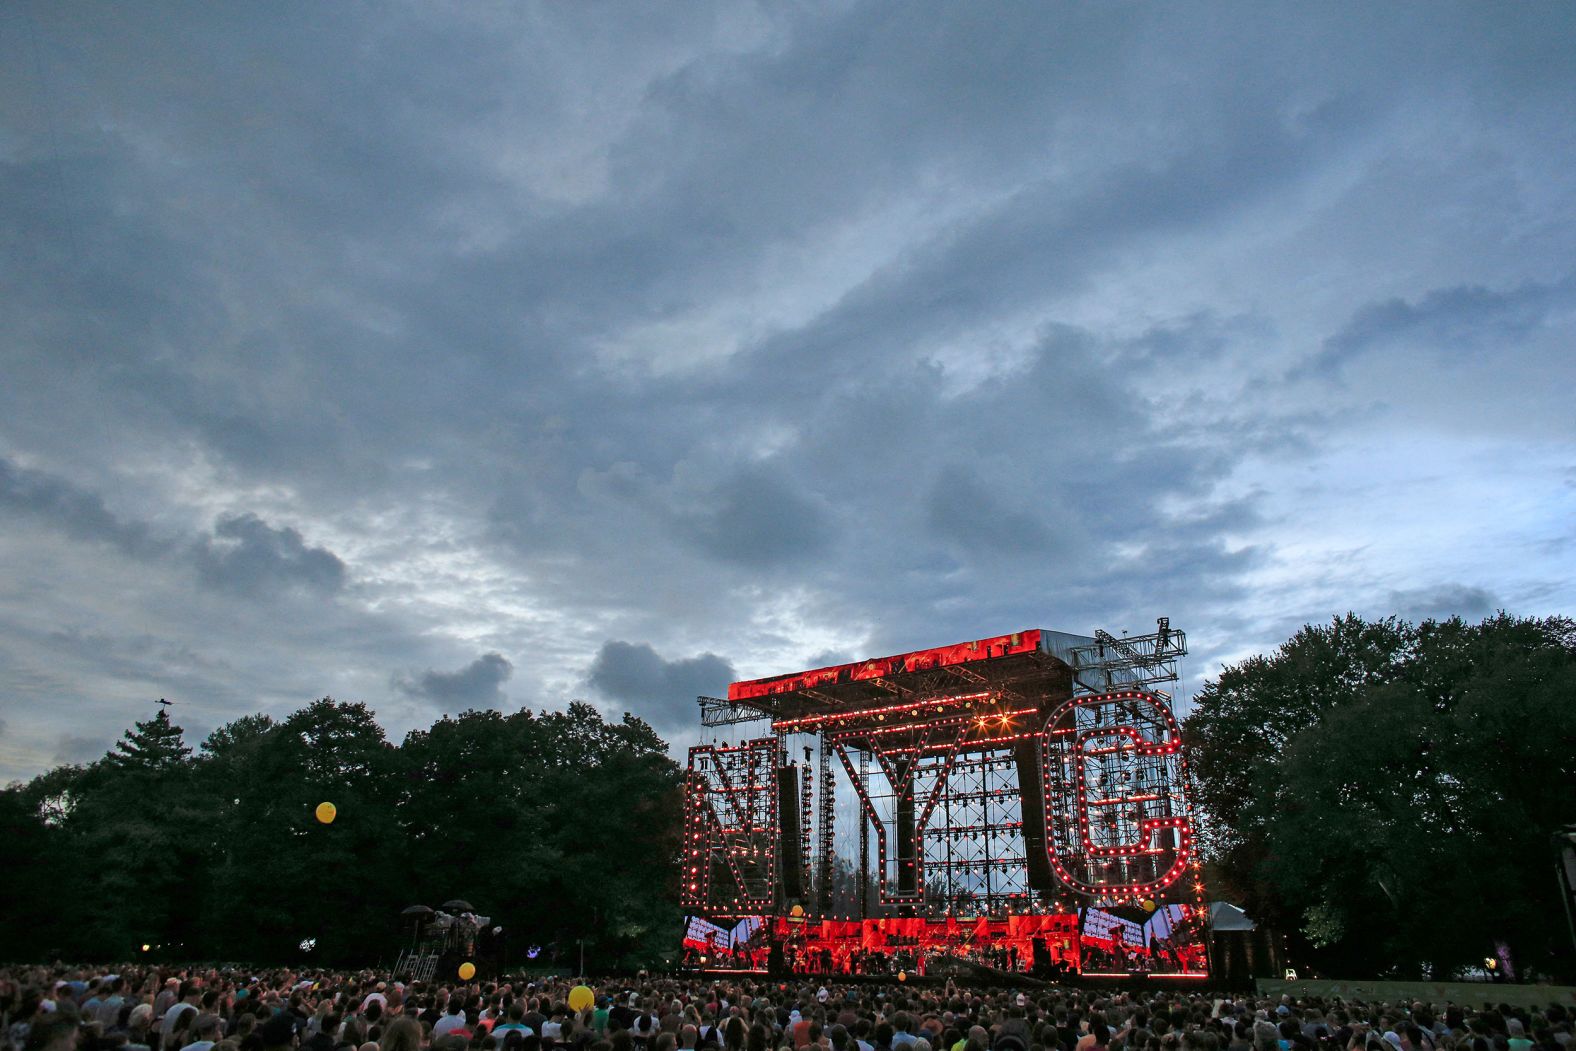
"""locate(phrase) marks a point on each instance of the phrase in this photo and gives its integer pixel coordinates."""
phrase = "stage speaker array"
(790, 856)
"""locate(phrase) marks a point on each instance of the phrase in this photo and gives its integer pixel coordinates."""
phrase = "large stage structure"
(1020, 802)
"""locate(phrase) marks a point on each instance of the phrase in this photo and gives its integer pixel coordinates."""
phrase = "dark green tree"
(34, 821)
(152, 746)
(282, 875)
(1395, 812)
(576, 815)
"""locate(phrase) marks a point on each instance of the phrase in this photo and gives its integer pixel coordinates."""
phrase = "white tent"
(1224, 916)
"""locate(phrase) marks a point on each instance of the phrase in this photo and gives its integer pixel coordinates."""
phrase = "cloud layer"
(410, 356)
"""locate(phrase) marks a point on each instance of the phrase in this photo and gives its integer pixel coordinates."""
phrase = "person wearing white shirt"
(455, 1019)
(189, 995)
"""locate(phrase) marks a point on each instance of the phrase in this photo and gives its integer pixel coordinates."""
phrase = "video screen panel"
(1169, 940)
(715, 945)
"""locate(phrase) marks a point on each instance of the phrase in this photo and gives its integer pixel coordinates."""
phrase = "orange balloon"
(467, 971)
(326, 813)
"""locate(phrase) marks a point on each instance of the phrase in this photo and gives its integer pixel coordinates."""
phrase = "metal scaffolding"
(975, 857)
(730, 827)
(1116, 808)
(991, 774)
(826, 827)
(806, 810)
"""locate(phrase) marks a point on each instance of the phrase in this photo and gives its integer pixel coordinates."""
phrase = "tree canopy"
(1387, 791)
(560, 824)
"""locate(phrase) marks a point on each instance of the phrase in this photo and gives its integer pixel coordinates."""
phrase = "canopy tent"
(1224, 916)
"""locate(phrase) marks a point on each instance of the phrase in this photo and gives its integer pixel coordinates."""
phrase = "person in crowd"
(453, 1019)
(187, 995)
(224, 1009)
(204, 1032)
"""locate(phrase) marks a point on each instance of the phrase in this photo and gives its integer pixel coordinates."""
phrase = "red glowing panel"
(883, 667)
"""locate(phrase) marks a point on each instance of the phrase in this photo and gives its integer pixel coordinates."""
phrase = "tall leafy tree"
(1396, 809)
(37, 829)
(553, 823)
(558, 821)
(290, 877)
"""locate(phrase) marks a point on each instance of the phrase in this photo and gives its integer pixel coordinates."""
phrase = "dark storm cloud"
(76, 748)
(757, 519)
(477, 685)
(75, 512)
(1466, 319)
(964, 512)
(659, 690)
(248, 556)
(1442, 602)
(819, 330)
(243, 554)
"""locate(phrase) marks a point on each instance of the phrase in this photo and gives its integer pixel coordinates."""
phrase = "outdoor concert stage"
(1015, 805)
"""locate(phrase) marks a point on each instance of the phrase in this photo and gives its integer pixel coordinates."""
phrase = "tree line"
(1383, 793)
(561, 824)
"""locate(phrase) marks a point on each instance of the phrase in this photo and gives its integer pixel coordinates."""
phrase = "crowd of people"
(148, 1009)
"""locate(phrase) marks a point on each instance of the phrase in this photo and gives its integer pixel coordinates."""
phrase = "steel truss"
(826, 827)
(915, 762)
(730, 827)
(806, 810)
(1117, 816)
(714, 711)
(975, 856)
(1110, 663)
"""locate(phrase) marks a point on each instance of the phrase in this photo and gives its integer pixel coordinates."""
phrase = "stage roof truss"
(1109, 663)
(715, 711)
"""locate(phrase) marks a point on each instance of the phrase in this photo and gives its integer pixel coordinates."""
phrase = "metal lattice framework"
(730, 827)
(1108, 663)
(1118, 819)
(914, 762)
(975, 854)
(992, 776)
(826, 826)
(806, 802)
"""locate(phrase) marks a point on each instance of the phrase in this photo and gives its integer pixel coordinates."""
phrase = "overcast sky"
(443, 357)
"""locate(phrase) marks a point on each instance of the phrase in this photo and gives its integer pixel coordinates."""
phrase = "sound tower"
(790, 856)
(1026, 756)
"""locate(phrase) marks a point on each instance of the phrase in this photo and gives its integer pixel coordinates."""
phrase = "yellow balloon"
(581, 997)
(467, 971)
(326, 812)
(1149, 905)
